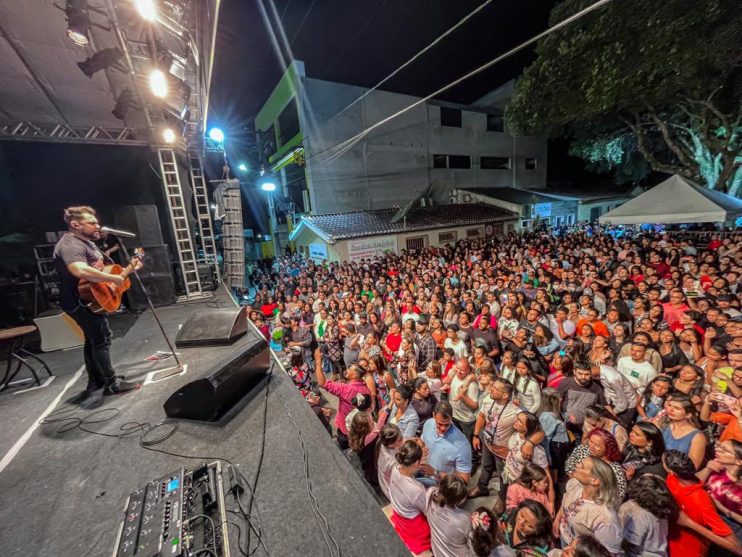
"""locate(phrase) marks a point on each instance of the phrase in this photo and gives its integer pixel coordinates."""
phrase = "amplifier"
(178, 515)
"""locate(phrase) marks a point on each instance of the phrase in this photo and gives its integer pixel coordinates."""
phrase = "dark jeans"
(491, 463)
(467, 428)
(97, 348)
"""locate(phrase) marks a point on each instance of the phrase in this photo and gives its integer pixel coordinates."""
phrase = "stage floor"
(62, 493)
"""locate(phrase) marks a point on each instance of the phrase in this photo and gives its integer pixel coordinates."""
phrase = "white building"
(358, 235)
(428, 150)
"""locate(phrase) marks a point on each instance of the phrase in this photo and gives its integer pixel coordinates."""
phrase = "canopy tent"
(676, 201)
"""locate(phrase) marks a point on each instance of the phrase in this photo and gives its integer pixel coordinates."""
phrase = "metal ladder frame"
(205, 224)
(179, 221)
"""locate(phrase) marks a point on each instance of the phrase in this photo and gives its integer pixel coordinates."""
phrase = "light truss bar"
(62, 133)
(211, 146)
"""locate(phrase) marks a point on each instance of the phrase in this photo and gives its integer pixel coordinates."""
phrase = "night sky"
(357, 42)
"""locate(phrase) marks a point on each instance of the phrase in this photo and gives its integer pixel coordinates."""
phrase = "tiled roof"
(341, 226)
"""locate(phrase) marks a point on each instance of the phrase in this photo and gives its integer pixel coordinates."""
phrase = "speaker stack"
(157, 273)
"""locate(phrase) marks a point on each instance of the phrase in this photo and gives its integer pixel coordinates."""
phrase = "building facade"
(358, 235)
(313, 137)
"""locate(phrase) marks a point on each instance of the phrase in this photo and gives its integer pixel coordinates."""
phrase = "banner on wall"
(541, 210)
(367, 248)
(318, 251)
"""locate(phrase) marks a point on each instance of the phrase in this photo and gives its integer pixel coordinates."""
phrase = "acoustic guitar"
(105, 297)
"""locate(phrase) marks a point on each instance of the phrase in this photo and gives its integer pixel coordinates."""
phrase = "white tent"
(676, 201)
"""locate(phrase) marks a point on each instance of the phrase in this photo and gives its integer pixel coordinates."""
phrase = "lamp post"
(270, 187)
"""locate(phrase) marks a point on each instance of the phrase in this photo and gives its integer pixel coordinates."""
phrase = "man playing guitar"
(78, 258)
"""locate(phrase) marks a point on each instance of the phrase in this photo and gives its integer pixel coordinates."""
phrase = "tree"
(642, 79)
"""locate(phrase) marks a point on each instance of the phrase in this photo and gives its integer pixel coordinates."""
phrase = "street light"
(242, 167)
(270, 187)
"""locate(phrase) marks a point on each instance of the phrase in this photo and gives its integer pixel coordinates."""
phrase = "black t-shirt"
(71, 249)
(487, 338)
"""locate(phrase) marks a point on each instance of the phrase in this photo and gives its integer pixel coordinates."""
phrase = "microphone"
(122, 233)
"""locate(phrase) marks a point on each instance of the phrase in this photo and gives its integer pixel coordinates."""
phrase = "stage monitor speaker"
(142, 220)
(209, 398)
(213, 327)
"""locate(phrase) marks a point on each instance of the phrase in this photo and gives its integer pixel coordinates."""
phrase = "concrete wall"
(394, 163)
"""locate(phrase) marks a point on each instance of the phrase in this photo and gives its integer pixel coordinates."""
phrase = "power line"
(341, 148)
(356, 35)
(416, 56)
(301, 25)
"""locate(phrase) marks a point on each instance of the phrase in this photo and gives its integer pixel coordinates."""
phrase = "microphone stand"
(151, 305)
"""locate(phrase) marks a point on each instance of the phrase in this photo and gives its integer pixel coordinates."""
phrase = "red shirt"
(672, 314)
(697, 504)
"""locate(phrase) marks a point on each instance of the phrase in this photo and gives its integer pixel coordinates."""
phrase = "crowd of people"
(591, 383)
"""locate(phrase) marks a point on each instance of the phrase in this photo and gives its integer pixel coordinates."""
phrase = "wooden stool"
(15, 337)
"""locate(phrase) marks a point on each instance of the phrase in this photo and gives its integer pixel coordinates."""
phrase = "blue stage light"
(215, 134)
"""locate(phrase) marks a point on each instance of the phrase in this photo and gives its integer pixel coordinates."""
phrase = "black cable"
(239, 534)
(260, 459)
(318, 516)
(70, 423)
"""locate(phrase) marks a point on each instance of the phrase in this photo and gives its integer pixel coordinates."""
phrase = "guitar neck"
(128, 270)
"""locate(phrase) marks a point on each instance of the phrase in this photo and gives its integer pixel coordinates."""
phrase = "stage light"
(215, 134)
(78, 22)
(100, 61)
(268, 186)
(124, 103)
(158, 83)
(147, 9)
(242, 166)
(168, 135)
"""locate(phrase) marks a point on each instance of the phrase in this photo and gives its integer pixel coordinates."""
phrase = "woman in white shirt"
(644, 517)
(449, 525)
(588, 507)
(391, 440)
(408, 498)
(525, 425)
(527, 390)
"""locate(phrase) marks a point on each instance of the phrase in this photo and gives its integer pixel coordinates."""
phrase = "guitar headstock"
(138, 253)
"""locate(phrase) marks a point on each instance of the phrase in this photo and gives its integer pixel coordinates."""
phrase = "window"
(288, 122)
(495, 123)
(495, 163)
(525, 224)
(440, 161)
(417, 243)
(473, 232)
(451, 161)
(450, 117)
(570, 220)
(447, 237)
(531, 164)
(459, 161)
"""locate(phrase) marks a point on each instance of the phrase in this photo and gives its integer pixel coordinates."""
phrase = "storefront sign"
(318, 251)
(542, 210)
(367, 248)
